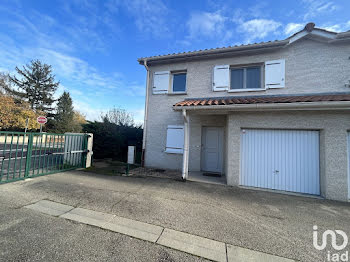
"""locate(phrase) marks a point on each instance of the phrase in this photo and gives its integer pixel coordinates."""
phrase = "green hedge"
(112, 141)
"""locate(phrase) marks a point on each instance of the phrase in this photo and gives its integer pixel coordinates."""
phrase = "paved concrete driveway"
(272, 223)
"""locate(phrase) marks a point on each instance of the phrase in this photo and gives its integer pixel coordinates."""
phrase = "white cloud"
(292, 28)
(138, 115)
(206, 24)
(76, 69)
(258, 28)
(318, 7)
(94, 114)
(90, 113)
(342, 27)
(333, 28)
(150, 16)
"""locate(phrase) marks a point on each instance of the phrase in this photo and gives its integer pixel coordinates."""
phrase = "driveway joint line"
(161, 233)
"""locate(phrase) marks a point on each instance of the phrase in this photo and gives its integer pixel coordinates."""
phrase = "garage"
(285, 160)
(349, 165)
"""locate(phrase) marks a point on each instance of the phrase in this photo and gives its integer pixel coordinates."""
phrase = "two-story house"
(272, 115)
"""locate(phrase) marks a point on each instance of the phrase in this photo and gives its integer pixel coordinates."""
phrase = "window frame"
(171, 91)
(244, 67)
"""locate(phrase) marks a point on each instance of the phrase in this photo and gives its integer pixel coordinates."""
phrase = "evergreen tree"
(64, 114)
(36, 86)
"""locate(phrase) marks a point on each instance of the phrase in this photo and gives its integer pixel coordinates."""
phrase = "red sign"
(41, 119)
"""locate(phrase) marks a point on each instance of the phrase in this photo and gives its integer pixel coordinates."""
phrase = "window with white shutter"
(275, 74)
(246, 78)
(175, 139)
(221, 77)
(161, 82)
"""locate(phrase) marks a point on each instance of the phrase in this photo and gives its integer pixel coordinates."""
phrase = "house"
(273, 115)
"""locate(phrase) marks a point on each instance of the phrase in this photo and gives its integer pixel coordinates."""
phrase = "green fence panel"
(24, 155)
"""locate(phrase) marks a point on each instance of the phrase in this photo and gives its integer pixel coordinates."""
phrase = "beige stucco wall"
(311, 67)
(333, 127)
(156, 141)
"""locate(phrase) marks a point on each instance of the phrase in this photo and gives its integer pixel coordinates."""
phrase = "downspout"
(146, 115)
(186, 145)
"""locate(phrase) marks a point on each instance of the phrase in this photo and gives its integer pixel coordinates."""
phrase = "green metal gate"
(24, 155)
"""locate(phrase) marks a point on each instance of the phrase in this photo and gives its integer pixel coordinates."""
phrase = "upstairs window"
(246, 78)
(179, 82)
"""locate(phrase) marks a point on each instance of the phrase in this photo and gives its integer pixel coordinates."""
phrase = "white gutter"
(338, 105)
(186, 146)
(146, 115)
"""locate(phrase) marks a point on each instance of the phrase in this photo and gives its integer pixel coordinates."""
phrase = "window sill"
(177, 93)
(246, 90)
(220, 90)
(172, 151)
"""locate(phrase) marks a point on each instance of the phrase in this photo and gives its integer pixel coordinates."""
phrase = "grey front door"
(212, 149)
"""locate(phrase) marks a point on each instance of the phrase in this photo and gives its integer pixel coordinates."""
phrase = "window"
(179, 82)
(175, 139)
(246, 78)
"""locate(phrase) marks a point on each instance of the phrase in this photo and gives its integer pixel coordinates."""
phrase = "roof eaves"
(270, 96)
(215, 51)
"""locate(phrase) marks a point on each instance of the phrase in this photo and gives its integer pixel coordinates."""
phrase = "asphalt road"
(26, 235)
(272, 223)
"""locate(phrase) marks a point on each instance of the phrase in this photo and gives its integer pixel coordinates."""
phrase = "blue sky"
(93, 45)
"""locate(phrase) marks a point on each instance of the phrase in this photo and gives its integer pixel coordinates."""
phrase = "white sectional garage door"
(286, 160)
(349, 165)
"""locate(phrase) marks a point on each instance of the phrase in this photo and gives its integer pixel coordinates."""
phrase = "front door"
(212, 149)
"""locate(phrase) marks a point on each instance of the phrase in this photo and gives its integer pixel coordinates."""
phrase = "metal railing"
(24, 155)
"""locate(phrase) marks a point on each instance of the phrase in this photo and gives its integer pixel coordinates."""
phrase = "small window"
(179, 82)
(246, 78)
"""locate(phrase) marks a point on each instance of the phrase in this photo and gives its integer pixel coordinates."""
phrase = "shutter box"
(221, 78)
(275, 74)
(161, 82)
(175, 139)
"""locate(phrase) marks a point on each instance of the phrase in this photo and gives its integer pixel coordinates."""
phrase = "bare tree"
(119, 117)
(4, 83)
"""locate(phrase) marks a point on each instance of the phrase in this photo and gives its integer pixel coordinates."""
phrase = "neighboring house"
(272, 115)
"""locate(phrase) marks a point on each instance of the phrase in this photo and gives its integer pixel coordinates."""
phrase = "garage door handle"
(276, 172)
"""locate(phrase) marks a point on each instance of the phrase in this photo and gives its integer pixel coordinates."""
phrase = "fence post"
(89, 154)
(29, 154)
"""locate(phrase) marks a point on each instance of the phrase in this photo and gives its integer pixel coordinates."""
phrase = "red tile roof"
(264, 99)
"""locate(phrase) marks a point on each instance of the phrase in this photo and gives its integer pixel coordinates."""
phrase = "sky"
(93, 45)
